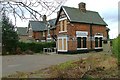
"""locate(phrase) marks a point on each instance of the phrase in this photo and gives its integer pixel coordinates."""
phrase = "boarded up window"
(65, 25)
(65, 45)
(60, 44)
(61, 26)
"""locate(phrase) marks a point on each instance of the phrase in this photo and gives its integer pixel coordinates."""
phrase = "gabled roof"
(75, 15)
(52, 23)
(38, 25)
(22, 31)
(41, 25)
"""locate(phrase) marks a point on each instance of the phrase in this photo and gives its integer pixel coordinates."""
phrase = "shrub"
(35, 47)
(116, 47)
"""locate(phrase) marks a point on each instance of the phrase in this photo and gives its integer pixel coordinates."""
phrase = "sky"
(108, 10)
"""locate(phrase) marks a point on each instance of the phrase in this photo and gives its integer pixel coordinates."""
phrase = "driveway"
(28, 63)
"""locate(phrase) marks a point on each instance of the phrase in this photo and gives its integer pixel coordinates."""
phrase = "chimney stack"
(82, 6)
(44, 18)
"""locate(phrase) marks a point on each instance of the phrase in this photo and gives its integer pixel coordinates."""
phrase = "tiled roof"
(52, 23)
(75, 15)
(41, 25)
(22, 31)
(38, 25)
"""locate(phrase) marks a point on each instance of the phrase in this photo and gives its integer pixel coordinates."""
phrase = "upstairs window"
(63, 25)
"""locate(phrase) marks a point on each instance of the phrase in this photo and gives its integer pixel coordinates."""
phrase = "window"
(79, 42)
(84, 42)
(43, 34)
(100, 42)
(65, 44)
(96, 41)
(62, 43)
(63, 25)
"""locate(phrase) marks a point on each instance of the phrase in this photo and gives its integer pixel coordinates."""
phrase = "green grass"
(102, 65)
(116, 47)
(66, 65)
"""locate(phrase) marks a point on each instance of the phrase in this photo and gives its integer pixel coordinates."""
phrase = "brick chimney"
(44, 18)
(82, 6)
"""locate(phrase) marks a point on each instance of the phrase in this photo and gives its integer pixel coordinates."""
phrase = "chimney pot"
(82, 7)
(44, 18)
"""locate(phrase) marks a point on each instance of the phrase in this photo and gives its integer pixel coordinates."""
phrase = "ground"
(26, 63)
(95, 65)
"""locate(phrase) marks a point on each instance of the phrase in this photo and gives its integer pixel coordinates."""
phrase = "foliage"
(116, 47)
(34, 8)
(9, 36)
(35, 47)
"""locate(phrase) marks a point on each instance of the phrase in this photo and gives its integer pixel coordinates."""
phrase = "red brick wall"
(39, 35)
(53, 32)
(36, 35)
(73, 27)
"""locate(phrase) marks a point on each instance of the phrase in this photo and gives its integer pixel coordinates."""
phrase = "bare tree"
(35, 8)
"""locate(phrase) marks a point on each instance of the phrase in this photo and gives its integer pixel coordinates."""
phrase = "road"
(28, 63)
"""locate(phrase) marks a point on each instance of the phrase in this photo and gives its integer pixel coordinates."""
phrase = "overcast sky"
(108, 9)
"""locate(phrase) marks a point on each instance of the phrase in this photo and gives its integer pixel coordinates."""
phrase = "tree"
(36, 8)
(9, 36)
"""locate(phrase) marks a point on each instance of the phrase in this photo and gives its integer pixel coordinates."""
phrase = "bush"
(116, 47)
(35, 47)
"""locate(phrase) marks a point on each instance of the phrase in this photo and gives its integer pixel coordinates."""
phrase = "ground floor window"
(84, 42)
(98, 41)
(62, 44)
(81, 42)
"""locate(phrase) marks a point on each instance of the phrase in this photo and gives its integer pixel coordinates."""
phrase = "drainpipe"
(91, 35)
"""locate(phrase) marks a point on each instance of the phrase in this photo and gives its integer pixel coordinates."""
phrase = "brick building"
(22, 34)
(78, 29)
(41, 31)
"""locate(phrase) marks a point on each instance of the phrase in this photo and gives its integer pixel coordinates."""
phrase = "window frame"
(99, 36)
(62, 25)
(62, 38)
(43, 34)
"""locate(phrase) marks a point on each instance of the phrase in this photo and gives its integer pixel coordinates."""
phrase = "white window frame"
(98, 36)
(82, 37)
(62, 19)
(43, 34)
(63, 44)
(63, 24)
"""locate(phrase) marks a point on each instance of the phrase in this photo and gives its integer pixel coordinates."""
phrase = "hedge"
(116, 47)
(35, 47)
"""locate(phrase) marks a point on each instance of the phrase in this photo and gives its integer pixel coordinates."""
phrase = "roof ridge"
(89, 16)
(78, 8)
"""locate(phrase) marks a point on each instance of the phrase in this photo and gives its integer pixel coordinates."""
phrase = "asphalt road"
(28, 63)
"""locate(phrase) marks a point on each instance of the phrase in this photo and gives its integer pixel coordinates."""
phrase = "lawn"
(95, 66)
